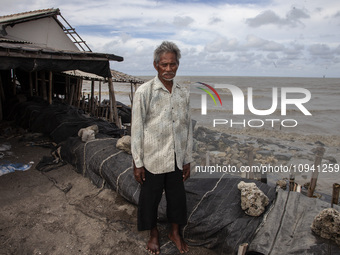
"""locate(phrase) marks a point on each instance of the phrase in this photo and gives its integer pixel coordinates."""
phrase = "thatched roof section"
(116, 76)
(122, 77)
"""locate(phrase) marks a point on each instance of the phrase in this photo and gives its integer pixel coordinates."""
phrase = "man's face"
(167, 67)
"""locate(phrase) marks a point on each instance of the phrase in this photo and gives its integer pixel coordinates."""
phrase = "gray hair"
(166, 47)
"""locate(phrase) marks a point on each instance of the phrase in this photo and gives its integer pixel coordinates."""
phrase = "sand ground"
(62, 212)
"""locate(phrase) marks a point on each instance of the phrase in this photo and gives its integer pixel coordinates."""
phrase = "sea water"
(323, 125)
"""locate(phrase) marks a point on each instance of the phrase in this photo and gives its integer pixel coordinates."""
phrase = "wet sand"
(62, 212)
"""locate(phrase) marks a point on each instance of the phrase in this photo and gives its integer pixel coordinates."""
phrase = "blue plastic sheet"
(6, 168)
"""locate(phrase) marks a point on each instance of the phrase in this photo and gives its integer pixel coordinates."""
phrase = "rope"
(120, 175)
(101, 165)
(195, 208)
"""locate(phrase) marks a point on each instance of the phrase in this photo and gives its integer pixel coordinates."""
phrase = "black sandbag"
(287, 230)
(215, 217)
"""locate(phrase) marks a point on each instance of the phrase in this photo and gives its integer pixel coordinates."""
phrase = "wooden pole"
(318, 158)
(92, 98)
(242, 249)
(113, 105)
(43, 85)
(71, 96)
(335, 195)
(131, 97)
(31, 83)
(36, 83)
(291, 182)
(50, 89)
(250, 151)
(79, 91)
(88, 108)
(83, 103)
(67, 89)
(100, 92)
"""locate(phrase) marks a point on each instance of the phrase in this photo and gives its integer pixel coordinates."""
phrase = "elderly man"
(161, 147)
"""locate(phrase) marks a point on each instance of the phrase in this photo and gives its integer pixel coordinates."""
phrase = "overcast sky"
(298, 38)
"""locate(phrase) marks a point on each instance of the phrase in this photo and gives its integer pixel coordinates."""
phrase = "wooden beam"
(113, 105)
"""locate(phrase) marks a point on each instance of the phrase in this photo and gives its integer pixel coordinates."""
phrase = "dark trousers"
(151, 194)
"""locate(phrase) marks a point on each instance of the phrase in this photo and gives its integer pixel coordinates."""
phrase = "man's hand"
(139, 173)
(186, 171)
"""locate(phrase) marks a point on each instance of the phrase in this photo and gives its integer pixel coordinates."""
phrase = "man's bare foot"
(153, 243)
(179, 242)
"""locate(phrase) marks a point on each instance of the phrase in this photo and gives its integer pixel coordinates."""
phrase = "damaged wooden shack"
(41, 55)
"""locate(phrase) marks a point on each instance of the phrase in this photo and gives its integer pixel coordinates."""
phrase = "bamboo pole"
(335, 195)
(113, 105)
(319, 154)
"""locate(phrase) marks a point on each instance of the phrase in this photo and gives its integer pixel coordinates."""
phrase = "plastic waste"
(6, 168)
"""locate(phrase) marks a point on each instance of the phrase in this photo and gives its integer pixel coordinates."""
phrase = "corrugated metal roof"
(25, 50)
(19, 17)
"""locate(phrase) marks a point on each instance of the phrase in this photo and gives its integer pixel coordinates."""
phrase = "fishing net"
(58, 120)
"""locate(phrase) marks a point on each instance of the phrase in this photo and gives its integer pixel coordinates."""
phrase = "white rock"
(253, 200)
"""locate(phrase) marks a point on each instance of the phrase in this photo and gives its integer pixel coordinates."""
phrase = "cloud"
(222, 44)
(265, 18)
(182, 21)
(216, 37)
(320, 50)
(269, 17)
